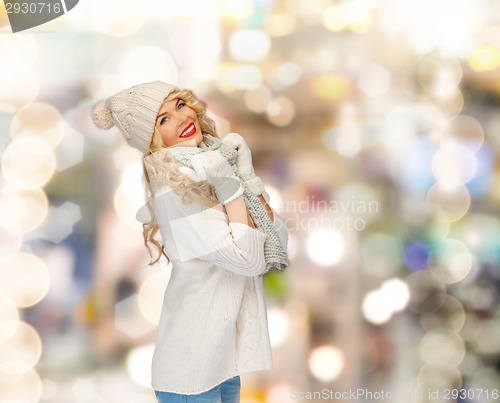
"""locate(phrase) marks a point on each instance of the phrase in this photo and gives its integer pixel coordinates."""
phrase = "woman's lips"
(189, 131)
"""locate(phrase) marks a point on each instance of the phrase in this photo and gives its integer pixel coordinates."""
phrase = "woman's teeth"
(190, 130)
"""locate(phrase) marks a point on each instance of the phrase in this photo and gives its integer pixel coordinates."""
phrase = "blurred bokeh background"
(373, 123)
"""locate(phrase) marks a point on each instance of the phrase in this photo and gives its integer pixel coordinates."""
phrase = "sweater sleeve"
(193, 231)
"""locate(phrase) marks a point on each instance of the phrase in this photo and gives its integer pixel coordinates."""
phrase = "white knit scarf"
(275, 254)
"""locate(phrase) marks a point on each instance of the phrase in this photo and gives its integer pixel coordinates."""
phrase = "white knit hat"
(134, 112)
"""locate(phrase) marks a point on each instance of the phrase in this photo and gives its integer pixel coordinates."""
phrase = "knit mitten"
(244, 162)
(210, 165)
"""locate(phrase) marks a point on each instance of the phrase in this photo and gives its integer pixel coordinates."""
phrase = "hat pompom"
(101, 115)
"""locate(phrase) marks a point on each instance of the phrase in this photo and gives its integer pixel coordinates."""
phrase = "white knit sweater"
(213, 324)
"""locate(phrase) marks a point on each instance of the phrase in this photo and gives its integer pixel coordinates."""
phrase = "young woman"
(217, 230)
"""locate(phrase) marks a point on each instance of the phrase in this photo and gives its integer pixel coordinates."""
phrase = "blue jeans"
(227, 392)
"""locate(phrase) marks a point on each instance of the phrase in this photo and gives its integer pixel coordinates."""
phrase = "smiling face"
(178, 124)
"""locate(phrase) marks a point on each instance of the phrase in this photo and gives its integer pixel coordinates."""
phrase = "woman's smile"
(188, 131)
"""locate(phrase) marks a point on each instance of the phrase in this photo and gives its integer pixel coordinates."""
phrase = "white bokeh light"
(19, 81)
(325, 247)
(381, 304)
(130, 194)
(24, 279)
(150, 295)
(138, 364)
(376, 308)
(160, 66)
(237, 10)
(326, 363)
(455, 261)
(28, 162)
(397, 292)
(278, 326)
(249, 45)
(453, 165)
(245, 77)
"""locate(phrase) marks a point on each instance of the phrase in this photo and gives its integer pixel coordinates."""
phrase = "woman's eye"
(163, 120)
(181, 105)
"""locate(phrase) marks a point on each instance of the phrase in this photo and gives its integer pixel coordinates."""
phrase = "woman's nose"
(180, 118)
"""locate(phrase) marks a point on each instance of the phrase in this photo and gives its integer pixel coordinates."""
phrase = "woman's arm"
(237, 212)
(194, 231)
(266, 206)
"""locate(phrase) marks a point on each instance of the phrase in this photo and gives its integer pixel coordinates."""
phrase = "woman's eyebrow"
(160, 115)
(164, 113)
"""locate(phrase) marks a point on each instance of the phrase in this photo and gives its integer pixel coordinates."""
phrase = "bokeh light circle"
(131, 180)
(332, 87)
(10, 242)
(379, 305)
(454, 164)
(454, 201)
(138, 364)
(22, 351)
(159, 65)
(423, 285)
(443, 312)
(439, 75)
(249, 45)
(116, 17)
(280, 111)
(130, 195)
(150, 295)
(20, 48)
(28, 162)
(22, 211)
(19, 90)
(437, 348)
(125, 207)
(244, 77)
(326, 363)
(287, 73)
(484, 338)
(454, 261)
(19, 82)
(427, 221)
(466, 131)
(237, 10)
(279, 325)
(9, 318)
(41, 120)
(325, 247)
(24, 279)
(397, 292)
(258, 98)
(280, 24)
(381, 254)
(438, 377)
(25, 387)
(452, 105)
(277, 393)
(377, 309)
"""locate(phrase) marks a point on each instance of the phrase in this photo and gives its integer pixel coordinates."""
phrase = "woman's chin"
(191, 142)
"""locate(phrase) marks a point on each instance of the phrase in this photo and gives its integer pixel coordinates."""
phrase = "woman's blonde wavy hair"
(164, 170)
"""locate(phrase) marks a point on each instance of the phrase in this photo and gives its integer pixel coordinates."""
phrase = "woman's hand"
(211, 166)
(244, 162)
